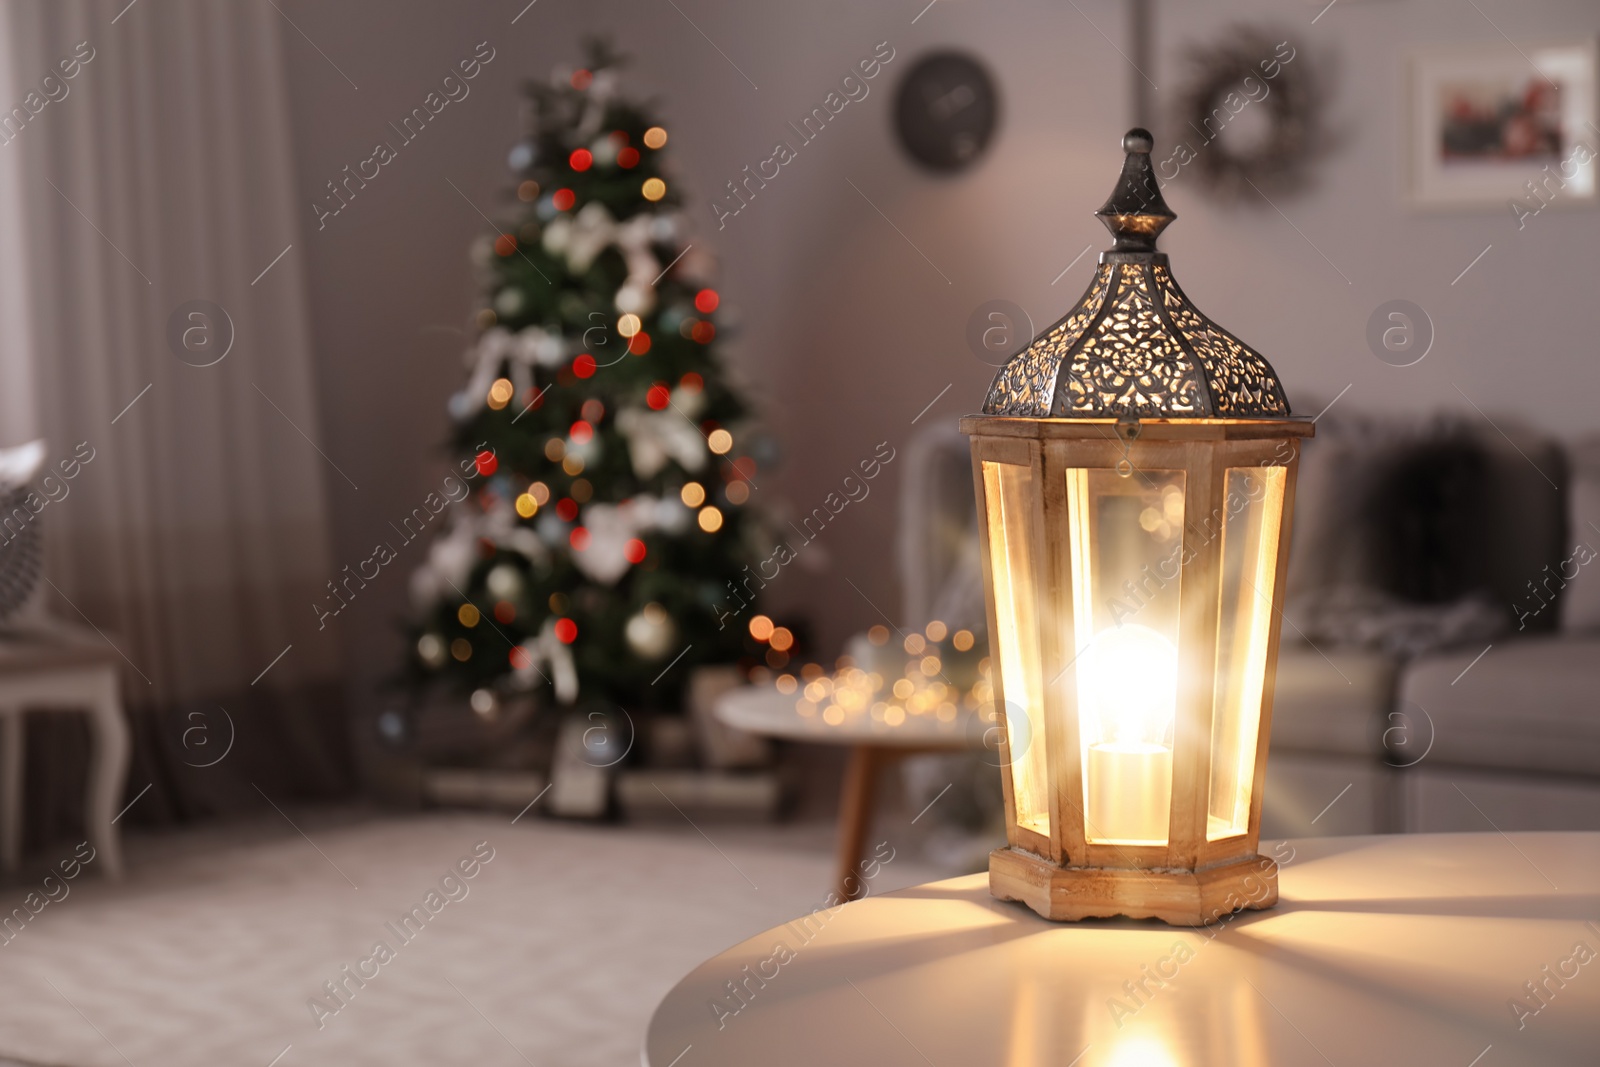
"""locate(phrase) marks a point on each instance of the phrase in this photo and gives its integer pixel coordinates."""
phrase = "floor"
(555, 951)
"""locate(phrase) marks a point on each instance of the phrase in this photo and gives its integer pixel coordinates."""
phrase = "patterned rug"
(393, 941)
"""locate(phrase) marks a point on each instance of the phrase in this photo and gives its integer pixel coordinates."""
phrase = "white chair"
(61, 668)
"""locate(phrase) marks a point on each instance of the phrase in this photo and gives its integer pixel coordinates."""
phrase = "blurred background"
(256, 367)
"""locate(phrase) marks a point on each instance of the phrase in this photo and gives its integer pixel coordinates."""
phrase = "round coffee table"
(873, 746)
(1400, 949)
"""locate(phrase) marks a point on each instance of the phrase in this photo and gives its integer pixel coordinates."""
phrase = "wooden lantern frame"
(1190, 880)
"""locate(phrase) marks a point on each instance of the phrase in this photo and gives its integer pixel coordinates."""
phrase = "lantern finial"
(1135, 213)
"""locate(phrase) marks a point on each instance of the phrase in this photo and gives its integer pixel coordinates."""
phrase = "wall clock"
(946, 111)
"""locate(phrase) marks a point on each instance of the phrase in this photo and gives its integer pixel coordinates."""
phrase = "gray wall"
(847, 330)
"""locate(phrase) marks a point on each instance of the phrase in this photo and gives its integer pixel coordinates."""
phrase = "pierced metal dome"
(1134, 346)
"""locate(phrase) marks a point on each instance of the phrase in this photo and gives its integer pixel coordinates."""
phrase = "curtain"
(154, 329)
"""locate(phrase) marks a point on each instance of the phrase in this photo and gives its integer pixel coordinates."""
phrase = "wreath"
(1250, 70)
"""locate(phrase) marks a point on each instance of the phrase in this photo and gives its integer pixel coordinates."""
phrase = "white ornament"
(547, 658)
(508, 301)
(604, 150)
(504, 582)
(634, 299)
(650, 633)
(654, 437)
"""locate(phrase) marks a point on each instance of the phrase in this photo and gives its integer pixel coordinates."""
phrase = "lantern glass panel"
(1016, 562)
(1253, 505)
(1126, 546)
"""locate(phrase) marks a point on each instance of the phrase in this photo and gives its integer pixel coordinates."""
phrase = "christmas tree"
(608, 518)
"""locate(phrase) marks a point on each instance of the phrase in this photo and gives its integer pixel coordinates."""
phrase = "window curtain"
(153, 318)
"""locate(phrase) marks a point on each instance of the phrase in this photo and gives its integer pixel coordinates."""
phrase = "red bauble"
(505, 244)
(563, 199)
(567, 509)
(639, 343)
(634, 551)
(581, 159)
(658, 397)
(628, 158)
(578, 539)
(487, 463)
(581, 433)
(706, 301)
(566, 631)
(584, 366)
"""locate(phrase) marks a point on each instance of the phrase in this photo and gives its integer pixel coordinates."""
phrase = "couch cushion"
(1580, 600)
(1331, 703)
(1526, 705)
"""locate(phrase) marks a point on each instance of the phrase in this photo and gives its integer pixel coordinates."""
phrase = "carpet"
(554, 951)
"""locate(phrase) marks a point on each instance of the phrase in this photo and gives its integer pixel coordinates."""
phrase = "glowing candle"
(1128, 678)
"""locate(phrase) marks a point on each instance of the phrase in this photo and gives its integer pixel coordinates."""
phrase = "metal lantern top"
(1134, 346)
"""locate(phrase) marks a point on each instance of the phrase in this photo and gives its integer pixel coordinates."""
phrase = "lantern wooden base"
(1181, 898)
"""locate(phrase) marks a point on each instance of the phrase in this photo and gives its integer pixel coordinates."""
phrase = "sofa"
(1417, 727)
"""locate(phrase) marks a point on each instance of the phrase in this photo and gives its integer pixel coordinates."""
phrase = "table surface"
(1403, 949)
(765, 711)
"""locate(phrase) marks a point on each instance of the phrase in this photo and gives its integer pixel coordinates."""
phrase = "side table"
(873, 747)
(61, 670)
(1464, 949)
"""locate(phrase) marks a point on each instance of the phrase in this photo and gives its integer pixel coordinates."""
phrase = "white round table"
(873, 746)
(1392, 950)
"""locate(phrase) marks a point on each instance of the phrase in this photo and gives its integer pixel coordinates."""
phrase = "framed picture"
(1488, 120)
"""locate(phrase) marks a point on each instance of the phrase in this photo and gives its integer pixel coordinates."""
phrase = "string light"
(500, 393)
(719, 441)
(761, 628)
(655, 137)
(710, 519)
(527, 507)
(468, 615)
(628, 325)
(653, 189)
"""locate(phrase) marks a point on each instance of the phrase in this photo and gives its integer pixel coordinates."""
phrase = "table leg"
(855, 816)
(10, 788)
(108, 771)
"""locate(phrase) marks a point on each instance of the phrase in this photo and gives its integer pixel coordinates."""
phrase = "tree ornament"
(504, 581)
(650, 633)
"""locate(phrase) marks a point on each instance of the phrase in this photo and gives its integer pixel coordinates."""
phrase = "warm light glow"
(761, 628)
(719, 441)
(1128, 682)
(500, 393)
(878, 635)
(936, 630)
(527, 506)
(786, 684)
(629, 324)
(653, 189)
(468, 615)
(738, 492)
(1140, 1052)
(693, 494)
(655, 137)
(710, 519)
(963, 640)
(782, 639)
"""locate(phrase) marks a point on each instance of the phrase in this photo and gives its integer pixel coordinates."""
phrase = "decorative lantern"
(1135, 472)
